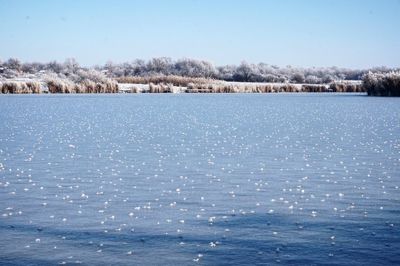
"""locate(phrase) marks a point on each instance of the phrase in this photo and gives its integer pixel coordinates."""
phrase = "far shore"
(162, 75)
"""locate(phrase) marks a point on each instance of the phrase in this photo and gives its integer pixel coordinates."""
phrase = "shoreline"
(58, 87)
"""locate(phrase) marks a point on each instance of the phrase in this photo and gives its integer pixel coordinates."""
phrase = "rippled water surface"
(299, 179)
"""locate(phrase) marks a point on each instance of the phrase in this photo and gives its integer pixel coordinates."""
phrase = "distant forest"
(163, 66)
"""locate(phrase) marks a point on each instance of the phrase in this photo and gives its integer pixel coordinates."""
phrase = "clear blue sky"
(344, 33)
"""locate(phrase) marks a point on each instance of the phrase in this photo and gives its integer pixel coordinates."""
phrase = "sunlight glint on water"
(212, 179)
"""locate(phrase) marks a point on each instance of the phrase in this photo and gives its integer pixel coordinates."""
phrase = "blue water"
(245, 179)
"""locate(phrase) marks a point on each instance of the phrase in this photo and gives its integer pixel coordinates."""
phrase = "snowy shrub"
(382, 84)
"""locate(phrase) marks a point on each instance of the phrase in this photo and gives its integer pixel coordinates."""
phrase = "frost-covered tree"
(160, 65)
(298, 77)
(245, 72)
(226, 72)
(193, 68)
(54, 66)
(311, 79)
(71, 66)
(14, 64)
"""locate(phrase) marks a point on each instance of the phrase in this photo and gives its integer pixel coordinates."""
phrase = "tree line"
(164, 66)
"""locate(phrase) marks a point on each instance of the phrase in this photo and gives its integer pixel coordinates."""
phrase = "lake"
(213, 179)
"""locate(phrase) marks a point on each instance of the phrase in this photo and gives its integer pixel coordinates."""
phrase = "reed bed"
(314, 88)
(87, 86)
(58, 86)
(346, 87)
(20, 87)
(236, 88)
(160, 88)
(62, 85)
